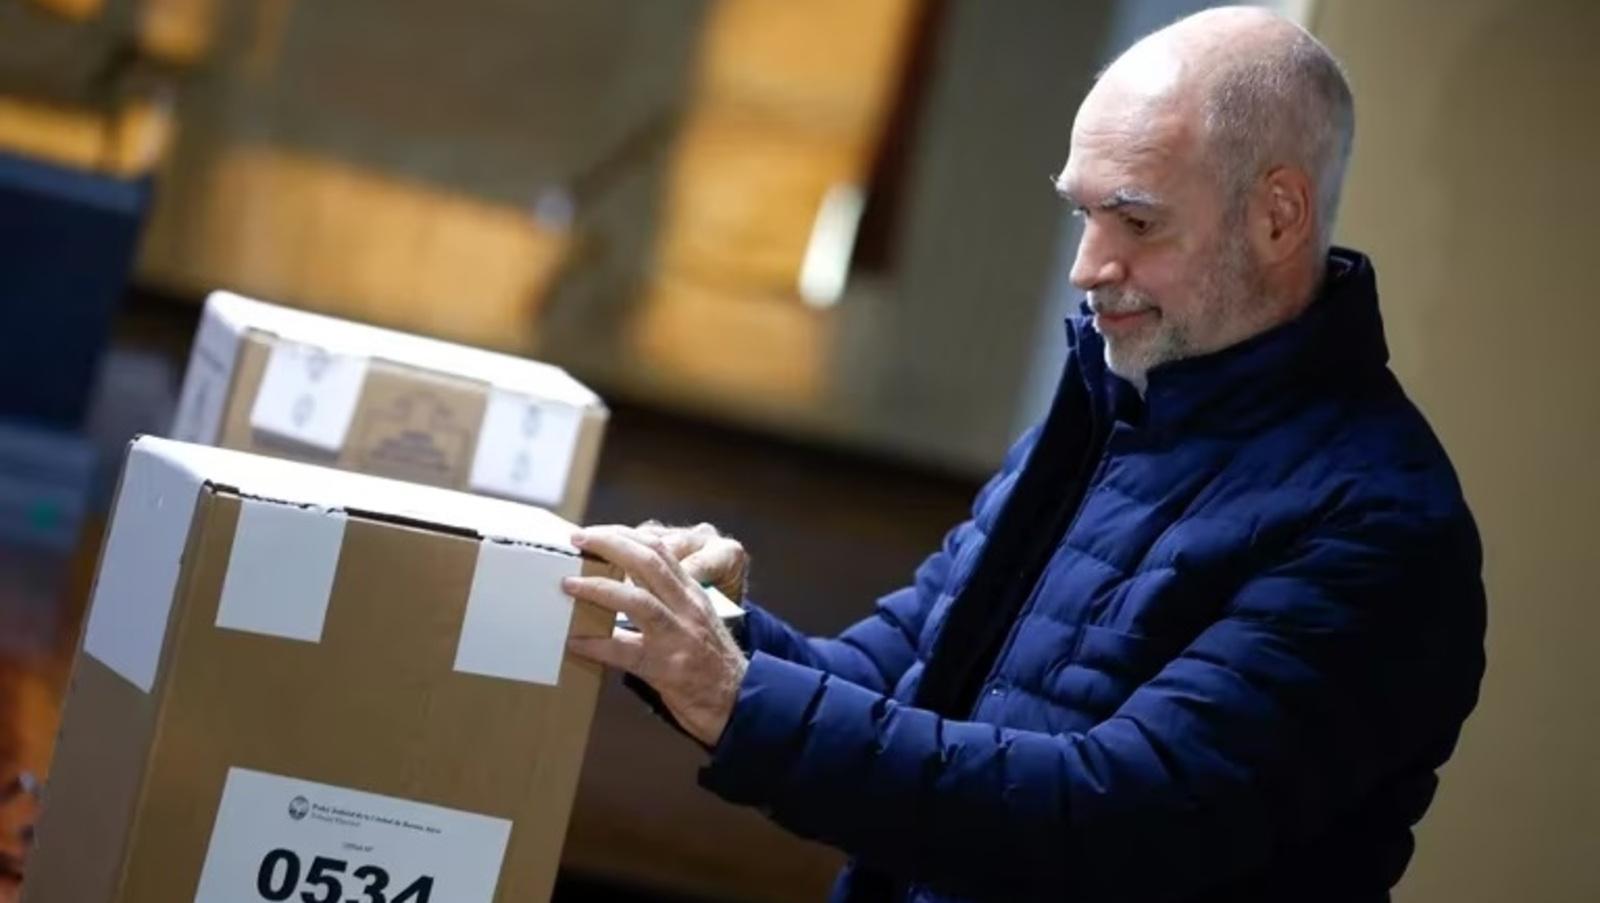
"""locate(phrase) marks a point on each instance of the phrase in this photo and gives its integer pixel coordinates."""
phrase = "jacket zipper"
(1033, 594)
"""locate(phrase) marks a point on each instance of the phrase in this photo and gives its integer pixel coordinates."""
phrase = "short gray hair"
(1288, 105)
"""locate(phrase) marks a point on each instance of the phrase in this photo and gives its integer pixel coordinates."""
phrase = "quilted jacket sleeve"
(1345, 661)
(876, 651)
(873, 652)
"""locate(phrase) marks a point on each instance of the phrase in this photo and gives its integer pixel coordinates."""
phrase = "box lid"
(295, 483)
(161, 483)
(505, 371)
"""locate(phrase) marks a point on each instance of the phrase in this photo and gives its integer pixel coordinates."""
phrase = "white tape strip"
(525, 448)
(139, 568)
(517, 616)
(207, 380)
(309, 395)
(280, 571)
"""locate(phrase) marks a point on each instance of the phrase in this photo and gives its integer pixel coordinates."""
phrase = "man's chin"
(1129, 367)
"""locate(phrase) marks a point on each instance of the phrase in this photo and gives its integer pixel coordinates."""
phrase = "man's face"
(1164, 258)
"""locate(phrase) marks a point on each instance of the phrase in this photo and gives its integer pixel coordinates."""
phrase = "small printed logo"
(298, 807)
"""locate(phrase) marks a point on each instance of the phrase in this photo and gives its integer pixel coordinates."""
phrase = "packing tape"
(309, 395)
(139, 567)
(281, 569)
(517, 616)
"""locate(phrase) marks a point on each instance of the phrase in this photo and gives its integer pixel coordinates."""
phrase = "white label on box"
(280, 570)
(206, 381)
(517, 616)
(309, 395)
(278, 838)
(139, 567)
(525, 448)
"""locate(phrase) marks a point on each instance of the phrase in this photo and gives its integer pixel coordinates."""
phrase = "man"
(1218, 619)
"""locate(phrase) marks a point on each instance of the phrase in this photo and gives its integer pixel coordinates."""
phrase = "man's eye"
(1139, 226)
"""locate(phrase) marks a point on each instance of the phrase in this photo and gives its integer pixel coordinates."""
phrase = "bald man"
(1218, 620)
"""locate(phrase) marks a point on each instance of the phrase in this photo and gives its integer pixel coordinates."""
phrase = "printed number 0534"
(280, 876)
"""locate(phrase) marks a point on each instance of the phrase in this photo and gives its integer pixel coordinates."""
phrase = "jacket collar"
(1339, 338)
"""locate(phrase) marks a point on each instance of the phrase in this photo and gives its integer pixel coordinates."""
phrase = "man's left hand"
(681, 648)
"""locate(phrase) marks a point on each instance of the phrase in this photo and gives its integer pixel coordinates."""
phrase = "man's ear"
(1283, 214)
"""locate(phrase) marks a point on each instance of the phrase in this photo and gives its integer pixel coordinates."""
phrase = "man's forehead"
(1099, 173)
(1135, 125)
(1137, 149)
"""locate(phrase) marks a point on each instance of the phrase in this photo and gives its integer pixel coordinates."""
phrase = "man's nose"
(1097, 265)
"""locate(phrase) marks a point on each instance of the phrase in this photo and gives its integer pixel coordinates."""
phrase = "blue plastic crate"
(67, 243)
(47, 481)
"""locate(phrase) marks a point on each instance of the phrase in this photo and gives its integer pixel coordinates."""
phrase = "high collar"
(1338, 338)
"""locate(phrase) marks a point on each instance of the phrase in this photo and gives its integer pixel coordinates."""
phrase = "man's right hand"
(706, 556)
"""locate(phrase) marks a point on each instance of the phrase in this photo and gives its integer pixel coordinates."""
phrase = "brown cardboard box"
(297, 385)
(293, 678)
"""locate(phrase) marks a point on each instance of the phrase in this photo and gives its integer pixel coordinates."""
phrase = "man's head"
(1206, 163)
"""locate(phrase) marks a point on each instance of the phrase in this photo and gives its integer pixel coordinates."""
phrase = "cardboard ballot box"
(291, 384)
(297, 683)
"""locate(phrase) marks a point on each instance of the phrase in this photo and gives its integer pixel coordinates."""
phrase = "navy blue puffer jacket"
(1254, 643)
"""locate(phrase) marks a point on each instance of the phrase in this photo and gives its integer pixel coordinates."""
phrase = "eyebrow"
(1116, 200)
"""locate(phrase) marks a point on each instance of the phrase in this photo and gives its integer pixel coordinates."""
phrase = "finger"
(607, 540)
(644, 610)
(647, 560)
(700, 536)
(683, 540)
(681, 545)
(680, 541)
(624, 651)
(717, 563)
(655, 528)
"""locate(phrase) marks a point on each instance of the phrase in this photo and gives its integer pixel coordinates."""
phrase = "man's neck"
(1299, 285)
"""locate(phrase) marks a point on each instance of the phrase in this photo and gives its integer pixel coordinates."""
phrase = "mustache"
(1117, 303)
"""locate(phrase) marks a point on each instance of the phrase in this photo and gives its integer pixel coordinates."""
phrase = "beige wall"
(1474, 186)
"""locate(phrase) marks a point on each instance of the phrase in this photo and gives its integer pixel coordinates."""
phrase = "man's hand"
(708, 557)
(681, 648)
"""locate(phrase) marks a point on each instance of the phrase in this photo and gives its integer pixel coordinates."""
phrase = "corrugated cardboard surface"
(375, 706)
(97, 773)
(585, 461)
(94, 784)
(411, 424)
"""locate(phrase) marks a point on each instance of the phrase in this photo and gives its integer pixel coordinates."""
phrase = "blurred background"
(808, 253)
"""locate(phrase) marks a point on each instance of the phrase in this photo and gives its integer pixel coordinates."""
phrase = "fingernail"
(568, 584)
(580, 538)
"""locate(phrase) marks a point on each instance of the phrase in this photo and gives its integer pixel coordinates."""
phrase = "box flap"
(295, 483)
(505, 371)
